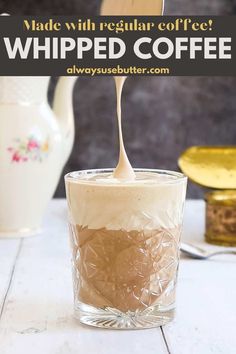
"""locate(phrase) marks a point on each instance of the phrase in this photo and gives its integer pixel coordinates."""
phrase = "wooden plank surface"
(9, 254)
(206, 309)
(37, 315)
(206, 298)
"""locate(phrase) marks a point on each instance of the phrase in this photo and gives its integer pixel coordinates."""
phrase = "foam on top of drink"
(150, 201)
(107, 178)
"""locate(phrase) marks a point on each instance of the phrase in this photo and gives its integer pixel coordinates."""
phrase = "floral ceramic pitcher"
(35, 143)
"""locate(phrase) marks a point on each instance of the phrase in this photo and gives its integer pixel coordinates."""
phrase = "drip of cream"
(124, 169)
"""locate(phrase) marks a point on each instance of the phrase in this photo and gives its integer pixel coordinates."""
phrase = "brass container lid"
(210, 166)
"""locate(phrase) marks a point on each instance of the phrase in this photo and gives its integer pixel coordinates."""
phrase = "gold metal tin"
(221, 217)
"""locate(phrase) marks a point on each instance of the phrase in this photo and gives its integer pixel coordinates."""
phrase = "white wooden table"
(36, 302)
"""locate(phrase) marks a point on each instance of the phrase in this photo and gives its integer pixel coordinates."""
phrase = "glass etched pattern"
(131, 275)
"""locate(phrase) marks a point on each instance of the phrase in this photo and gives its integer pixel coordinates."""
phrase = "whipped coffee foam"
(150, 201)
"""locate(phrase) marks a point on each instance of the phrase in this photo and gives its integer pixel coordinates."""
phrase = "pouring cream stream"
(124, 170)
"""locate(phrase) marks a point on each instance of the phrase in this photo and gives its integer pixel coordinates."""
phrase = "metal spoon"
(199, 253)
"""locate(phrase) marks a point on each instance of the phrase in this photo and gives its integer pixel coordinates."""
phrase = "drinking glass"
(125, 238)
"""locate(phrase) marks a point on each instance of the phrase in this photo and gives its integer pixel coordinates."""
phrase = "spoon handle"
(221, 252)
(199, 253)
